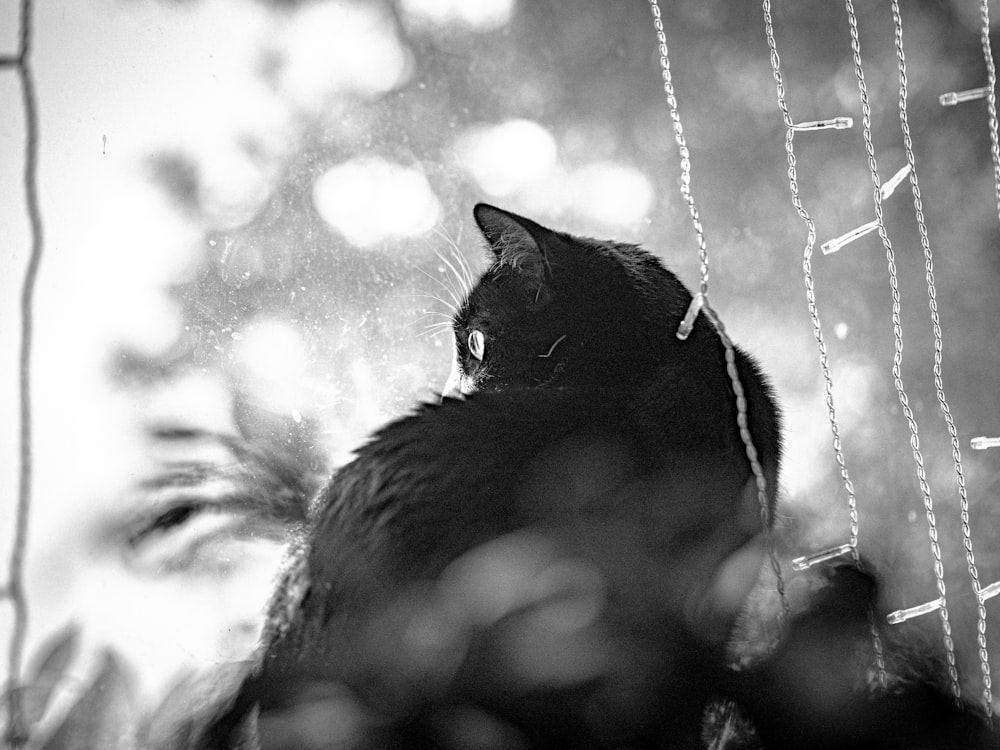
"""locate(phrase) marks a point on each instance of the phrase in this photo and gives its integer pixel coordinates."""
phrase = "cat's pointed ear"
(513, 239)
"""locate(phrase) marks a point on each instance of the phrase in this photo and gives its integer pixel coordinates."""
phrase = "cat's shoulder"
(527, 415)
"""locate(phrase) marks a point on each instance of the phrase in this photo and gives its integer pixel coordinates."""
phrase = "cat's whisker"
(459, 278)
(424, 294)
(443, 233)
(435, 314)
(435, 298)
(452, 305)
(464, 274)
(434, 329)
(467, 276)
(438, 323)
(456, 277)
(455, 283)
(466, 269)
(456, 300)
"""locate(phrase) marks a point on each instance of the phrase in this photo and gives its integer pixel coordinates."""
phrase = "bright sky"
(114, 82)
(117, 82)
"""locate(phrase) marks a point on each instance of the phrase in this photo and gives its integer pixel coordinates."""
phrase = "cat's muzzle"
(458, 385)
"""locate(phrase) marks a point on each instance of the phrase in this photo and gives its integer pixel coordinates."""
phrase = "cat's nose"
(453, 386)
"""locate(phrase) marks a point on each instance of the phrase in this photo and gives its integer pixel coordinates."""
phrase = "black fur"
(618, 309)
(815, 690)
(538, 565)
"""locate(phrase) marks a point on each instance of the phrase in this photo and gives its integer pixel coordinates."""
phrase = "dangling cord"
(898, 355)
(700, 302)
(668, 88)
(991, 97)
(17, 732)
(793, 186)
(938, 383)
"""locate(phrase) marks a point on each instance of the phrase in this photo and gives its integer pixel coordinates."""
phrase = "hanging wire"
(897, 360)
(824, 361)
(16, 733)
(675, 117)
(938, 382)
(700, 302)
(991, 97)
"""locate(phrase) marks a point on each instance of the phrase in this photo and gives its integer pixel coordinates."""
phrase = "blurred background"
(252, 211)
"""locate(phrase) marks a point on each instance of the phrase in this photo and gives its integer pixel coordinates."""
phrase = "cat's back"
(584, 468)
(499, 516)
(454, 473)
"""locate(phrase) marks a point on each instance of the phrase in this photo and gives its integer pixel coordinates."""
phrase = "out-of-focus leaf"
(105, 717)
(51, 662)
(216, 499)
(177, 722)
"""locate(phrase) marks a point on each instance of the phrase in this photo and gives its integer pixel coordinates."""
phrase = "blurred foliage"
(587, 71)
(104, 716)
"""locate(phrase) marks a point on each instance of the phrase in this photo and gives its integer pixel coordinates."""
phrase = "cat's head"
(563, 311)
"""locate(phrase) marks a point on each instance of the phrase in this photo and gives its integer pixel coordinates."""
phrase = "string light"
(836, 123)
(982, 443)
(887, 189)
(987, 92)
(801, 563)
(991, 99)
(957, 97)
(832, 246)
(939, 604)
(687, 325)
(700, 303)
(989, 592)
(890, 185)
(938, 358)
(807, 561)
(902, 615)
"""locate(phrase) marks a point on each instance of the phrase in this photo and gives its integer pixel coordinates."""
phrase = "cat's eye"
(477, 344)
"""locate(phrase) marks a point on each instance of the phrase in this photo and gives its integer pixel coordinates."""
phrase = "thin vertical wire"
(668, 88)
(991, 97)
(956, 452)
(16, 734)
(824, 362)
(898, 353)
(730, 354)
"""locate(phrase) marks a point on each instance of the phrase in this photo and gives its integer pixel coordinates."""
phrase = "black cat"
(555, 560)
(814, 690)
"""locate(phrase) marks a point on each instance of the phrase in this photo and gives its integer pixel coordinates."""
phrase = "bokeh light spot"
(483, 15)
(612, 193)
(272, 350)
(341, 48)
(369, 200)
(506, 157)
